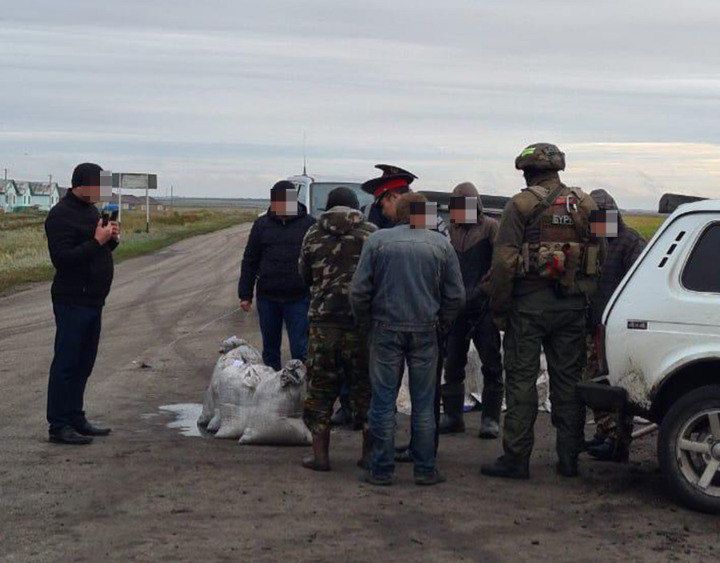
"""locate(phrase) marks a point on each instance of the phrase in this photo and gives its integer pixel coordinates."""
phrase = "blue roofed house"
(8, 195)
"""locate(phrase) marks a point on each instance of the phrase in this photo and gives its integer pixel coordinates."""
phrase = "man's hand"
(246, 305)
(103, 234)
(116, 230)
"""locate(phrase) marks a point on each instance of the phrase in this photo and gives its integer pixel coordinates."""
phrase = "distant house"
(8, 195)
(155, 205)
(41, 195)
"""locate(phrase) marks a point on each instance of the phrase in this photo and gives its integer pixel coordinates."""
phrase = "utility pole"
(50, 176)
(6, 173)
(171, 197)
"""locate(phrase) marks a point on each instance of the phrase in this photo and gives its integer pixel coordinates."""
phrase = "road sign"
(134, 181)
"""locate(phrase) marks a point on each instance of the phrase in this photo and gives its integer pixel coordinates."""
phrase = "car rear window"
(702, 272)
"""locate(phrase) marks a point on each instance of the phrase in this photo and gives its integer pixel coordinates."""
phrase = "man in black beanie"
(80, 249)
(270, 261)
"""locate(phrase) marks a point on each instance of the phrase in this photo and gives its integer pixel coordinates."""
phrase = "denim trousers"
(76, 344)
(389, 349)
(294, 314)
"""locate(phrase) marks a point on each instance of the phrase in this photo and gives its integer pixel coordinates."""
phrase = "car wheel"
(689, 449)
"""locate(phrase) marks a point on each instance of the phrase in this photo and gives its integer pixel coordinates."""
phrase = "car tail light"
(600, 349)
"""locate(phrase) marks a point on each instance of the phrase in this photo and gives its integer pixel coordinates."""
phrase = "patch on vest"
(562, 220)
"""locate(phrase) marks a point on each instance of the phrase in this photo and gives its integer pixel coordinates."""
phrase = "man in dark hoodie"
(611, 441)
(80, 249)
(270, 259)
(338, 349)
(473, 241)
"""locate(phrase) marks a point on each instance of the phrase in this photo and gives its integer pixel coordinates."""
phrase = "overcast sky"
(214, 96)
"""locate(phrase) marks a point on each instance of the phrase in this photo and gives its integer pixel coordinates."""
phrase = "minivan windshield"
(319, 193)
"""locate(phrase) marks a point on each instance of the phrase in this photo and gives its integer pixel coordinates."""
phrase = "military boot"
(567, 465)
(507, 468)
(364, 460)
(320, 458)
(451, 422)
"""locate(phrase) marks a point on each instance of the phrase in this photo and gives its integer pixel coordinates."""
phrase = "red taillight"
(600, 349)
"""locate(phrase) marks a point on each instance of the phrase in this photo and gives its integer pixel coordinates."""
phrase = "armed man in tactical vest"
(545, 266)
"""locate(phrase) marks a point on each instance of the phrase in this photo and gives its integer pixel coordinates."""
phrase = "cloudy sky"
(214, 96)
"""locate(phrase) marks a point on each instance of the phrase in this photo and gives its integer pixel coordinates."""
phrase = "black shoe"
(378, 480)
(451, 425)
(87, 429)
(68, 435)
(567, 466)
(431, 479)
(610, 450)
(509, 469)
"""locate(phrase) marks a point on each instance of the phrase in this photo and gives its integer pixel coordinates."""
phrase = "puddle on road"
(186, 415)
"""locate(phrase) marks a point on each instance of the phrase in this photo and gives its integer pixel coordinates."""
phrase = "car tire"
(688, 429)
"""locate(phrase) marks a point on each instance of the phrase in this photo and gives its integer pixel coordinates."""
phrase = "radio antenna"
(304, 155)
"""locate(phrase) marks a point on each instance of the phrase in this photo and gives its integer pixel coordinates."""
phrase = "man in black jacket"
(473, 238)
(81, 251)
(270, 259)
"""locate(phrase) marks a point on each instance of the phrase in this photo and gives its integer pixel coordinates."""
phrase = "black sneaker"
(68, 435)
(506, 468)
(610, 450)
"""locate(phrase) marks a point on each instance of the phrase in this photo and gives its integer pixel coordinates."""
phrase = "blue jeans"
(389, 349)
(295, 316)
(76, 344)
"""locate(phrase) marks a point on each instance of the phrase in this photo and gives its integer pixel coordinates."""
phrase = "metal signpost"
(135, 181)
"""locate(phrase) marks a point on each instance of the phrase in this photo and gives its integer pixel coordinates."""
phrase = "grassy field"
(23, 247)
(646, 225)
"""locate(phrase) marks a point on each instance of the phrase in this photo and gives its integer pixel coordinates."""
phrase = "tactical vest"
(557, 244)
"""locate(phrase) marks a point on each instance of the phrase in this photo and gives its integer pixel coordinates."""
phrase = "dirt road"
(148, 493)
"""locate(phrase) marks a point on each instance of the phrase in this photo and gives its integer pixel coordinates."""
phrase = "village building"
(16, 195)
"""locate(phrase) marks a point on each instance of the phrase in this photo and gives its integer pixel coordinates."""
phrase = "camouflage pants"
(606, 423)
(335, 355)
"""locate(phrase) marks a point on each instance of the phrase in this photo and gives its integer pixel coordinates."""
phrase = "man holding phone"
(80, 243)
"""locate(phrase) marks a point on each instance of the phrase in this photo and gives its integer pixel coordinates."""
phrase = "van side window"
(702, 272)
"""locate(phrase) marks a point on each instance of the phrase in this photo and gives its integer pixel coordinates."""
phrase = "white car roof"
(704, 205)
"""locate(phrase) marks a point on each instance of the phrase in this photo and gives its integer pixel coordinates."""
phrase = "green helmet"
(541, 156)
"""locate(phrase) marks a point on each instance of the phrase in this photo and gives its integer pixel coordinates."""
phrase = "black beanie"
(86, 174)
(342, 196)
(283, 185)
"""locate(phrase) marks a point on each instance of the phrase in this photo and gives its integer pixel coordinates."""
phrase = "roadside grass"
(23, 247)
(646, 225)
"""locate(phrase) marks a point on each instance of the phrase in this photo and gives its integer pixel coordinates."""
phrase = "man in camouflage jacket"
(337, 349)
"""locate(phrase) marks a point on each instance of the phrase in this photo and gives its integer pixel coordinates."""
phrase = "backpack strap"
(545, 202)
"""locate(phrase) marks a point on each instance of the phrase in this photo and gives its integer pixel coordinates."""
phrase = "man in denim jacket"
(408, 286)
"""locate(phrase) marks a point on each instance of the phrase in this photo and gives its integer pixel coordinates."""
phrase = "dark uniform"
(337, 350)
(473, 244)
(544, 268)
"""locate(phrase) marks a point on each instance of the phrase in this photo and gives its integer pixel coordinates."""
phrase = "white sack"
(276, 416)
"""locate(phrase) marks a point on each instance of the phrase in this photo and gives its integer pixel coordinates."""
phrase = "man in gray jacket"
(408, 286)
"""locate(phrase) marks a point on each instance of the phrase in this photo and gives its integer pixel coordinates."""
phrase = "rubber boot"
(567, 465)
(364, 460)
(451, 422)
(320, 458)
(506, 468)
